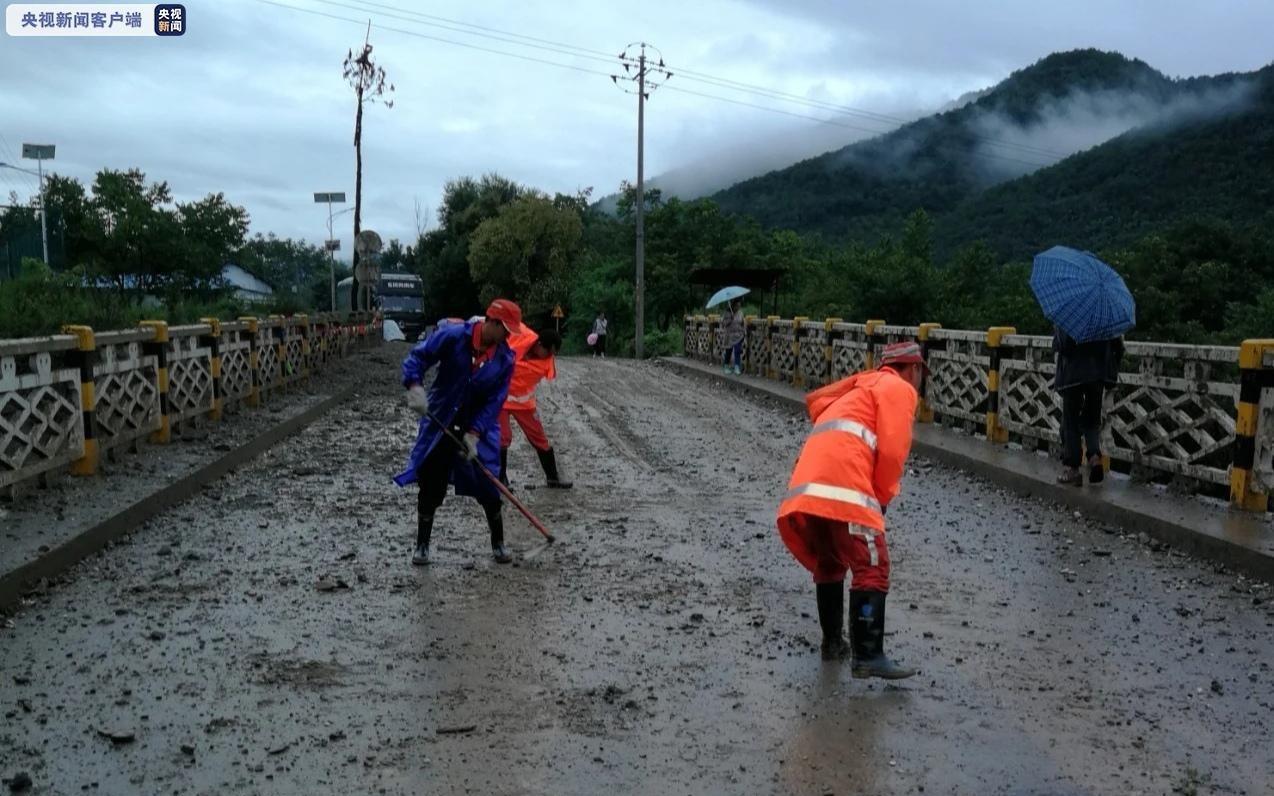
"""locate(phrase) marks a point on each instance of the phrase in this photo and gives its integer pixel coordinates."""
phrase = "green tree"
(442, 254)
(526, 252)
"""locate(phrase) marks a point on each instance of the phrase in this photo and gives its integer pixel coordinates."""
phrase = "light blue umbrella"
(1082, 295)
(726, 294)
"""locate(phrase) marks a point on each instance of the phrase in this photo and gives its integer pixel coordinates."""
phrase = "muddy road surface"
(271, 636)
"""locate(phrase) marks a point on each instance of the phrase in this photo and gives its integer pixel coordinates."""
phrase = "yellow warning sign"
(557, 312)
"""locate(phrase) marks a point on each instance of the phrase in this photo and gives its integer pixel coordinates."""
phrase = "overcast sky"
(251, 101)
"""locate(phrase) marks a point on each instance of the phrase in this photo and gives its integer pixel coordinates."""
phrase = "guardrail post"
(749, 326)
(85, 355)
(873, 341)
(158, 346)
(798, 378)
(280, 334)
(1253, 377)
(213, 341)
(713, 322)
(770, 371)
(829, 349)
(924, 413)
(304, 322)
(254, 360)
(994, 337)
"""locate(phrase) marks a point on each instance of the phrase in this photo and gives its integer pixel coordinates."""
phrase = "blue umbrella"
(1082, 295)
(726, 294)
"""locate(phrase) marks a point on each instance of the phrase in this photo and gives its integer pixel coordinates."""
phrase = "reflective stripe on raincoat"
(852, 464)
(460, 396)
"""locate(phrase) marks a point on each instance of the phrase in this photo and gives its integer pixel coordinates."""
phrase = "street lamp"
(38, 153)
(330, 244)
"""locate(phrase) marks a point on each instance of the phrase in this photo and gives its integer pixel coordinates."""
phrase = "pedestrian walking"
(474, 365)
(1083, 372)
(535, 361)
(833, 516)
(735, 331)
(599, 329)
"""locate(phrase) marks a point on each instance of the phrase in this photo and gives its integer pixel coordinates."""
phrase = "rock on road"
(270, 635)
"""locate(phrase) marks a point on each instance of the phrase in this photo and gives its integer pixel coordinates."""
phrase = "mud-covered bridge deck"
(269, 635)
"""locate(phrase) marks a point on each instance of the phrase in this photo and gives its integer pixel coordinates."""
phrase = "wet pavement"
(270, 636)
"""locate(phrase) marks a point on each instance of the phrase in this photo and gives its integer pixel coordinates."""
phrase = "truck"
(398, 297)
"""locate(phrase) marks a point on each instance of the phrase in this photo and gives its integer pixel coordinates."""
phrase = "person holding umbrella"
(1091, 308)
(733, 328)
(735, 331)
(1083, 372)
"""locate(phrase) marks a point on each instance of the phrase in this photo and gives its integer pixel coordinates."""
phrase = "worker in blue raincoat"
(474, 366)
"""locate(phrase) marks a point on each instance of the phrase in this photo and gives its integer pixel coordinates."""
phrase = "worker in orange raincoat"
(535, 360)
(833, 516)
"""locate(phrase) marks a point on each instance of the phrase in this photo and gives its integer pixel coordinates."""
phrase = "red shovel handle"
(504, 490)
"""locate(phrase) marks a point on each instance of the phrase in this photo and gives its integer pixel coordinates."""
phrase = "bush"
(664, 344)
(41, 302)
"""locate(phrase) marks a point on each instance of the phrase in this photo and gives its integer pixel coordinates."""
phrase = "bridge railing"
(1202, 416)
(65, 399)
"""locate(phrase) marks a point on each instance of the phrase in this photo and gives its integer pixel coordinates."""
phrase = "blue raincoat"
(460, 396)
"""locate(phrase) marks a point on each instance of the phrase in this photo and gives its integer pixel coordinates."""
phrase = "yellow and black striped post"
(924, 412)
(770, 372)
(304, 322)
(158, 347)
(873, 340)
(213, 341)
(829, 348)
(798, 376)
(84, 356)
(254, 359)
(994, 339)
(1253, 378)
(713, 322)
(280, 331)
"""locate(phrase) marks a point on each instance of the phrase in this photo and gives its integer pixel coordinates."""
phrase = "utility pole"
(331, 244)
(368, 81)
(39, 153)
(643, 70)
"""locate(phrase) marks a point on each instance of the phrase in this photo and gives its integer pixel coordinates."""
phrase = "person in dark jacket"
(474, 364)
(1083, 372)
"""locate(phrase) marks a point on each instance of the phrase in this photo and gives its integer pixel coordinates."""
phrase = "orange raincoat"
(852, 463)
(527, 373)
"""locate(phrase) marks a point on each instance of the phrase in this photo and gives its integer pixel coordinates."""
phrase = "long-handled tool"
(504, 490)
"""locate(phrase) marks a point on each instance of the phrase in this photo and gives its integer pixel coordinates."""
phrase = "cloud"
(1084, 119)
(251, 101)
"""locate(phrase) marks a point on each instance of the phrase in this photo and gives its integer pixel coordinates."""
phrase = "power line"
(463, 24)
(11, 157)
(704, 95)
(508, 38)
(576, 51)
(420, 35)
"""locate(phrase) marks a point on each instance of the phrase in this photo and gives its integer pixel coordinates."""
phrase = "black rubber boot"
(548, 460)
(504, 466)
(1096, 472)
(831, 617)
(424, 530)
(867, 637)
(495, 521)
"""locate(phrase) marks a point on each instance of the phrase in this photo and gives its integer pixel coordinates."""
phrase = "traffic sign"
(557, 312)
